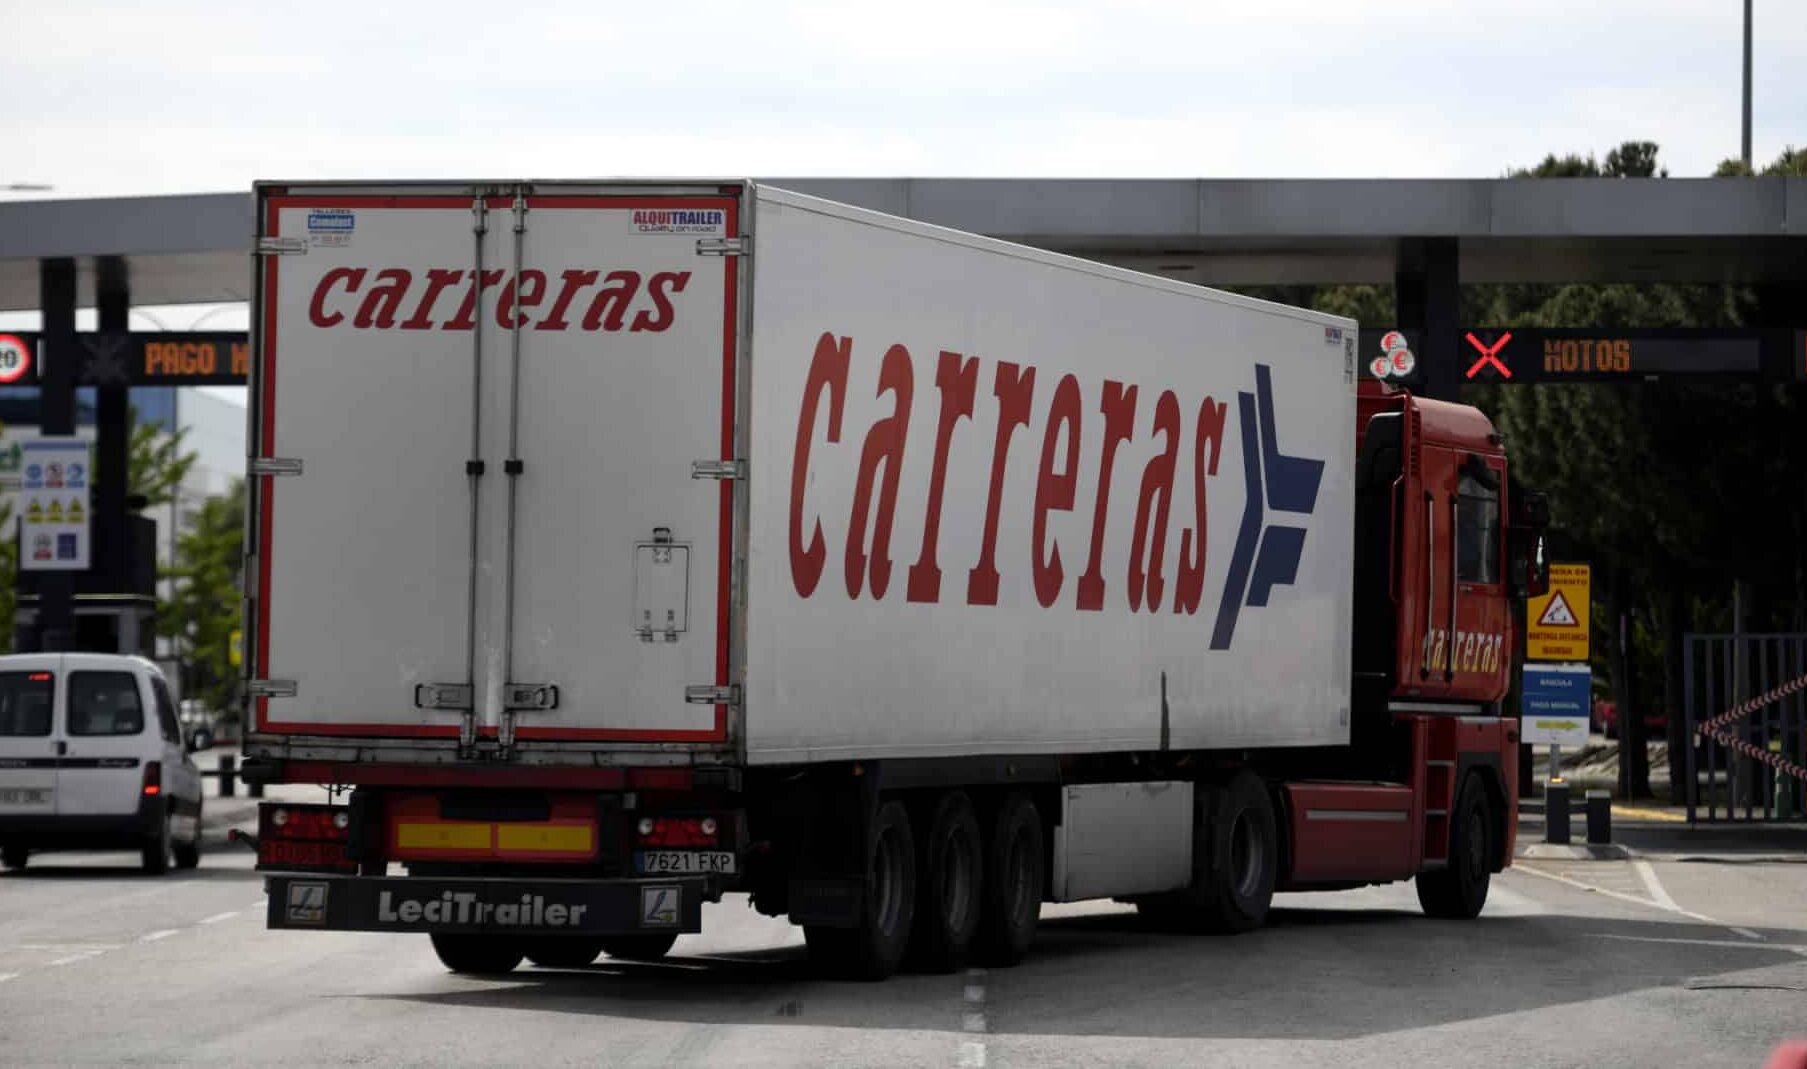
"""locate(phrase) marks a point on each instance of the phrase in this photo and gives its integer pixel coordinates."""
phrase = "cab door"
(30, 740)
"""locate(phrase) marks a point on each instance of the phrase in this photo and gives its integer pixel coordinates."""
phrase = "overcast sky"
(154, 96)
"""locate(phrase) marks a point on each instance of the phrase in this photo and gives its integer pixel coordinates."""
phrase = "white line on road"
(5, 976)
(1748, 934)
(1648, 875)
(218, 917)
(1610, 893)
(1798, 948)
(972, 1051)
(73, 958)
(154, 936)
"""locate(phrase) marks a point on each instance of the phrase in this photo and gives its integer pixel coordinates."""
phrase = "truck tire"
(638, 947)
(1011, 891)
(1235, 861)
(478, 955)
(950, 873)
(561, 952)
(874, 947)
(1459, 890)
(157, 850)
(14, 857)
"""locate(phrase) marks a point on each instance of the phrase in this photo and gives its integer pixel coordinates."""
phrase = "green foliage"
(156, 464)
(204, 610)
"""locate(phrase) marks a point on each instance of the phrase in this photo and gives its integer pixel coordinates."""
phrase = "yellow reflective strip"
(449, 836)
(561, 838)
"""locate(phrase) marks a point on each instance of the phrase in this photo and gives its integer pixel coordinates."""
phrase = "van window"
(25, 699)
(104, 703)
(166, 711)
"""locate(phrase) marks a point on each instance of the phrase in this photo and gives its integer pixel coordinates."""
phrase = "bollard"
(254, 788)
(228, 775)
(1556, 812)
(1599, 817)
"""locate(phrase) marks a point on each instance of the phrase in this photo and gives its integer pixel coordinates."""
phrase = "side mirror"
(1529, 565)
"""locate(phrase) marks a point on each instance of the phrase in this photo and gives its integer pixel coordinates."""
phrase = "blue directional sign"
(1553, 704)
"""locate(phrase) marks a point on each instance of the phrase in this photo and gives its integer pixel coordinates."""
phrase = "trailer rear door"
(476, 420)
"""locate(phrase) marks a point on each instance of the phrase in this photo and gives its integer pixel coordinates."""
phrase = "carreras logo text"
(400, 298)
(465, 907)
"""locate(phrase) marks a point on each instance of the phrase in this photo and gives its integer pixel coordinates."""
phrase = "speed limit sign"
(15, 359)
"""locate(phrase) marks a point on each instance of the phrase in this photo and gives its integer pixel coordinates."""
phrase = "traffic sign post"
(1556, 623)
(1553, 711)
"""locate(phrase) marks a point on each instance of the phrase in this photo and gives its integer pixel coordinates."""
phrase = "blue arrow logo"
(1270, 551)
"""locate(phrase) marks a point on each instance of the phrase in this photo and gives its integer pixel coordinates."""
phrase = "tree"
(155, 463)
(204, 608)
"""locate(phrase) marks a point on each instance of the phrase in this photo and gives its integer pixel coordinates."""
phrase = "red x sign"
(1490, 355)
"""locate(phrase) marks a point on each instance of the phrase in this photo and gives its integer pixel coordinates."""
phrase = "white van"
(92, 758)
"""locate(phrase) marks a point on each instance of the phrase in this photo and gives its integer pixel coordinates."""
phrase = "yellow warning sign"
(1556, 624)
(34, 514)
(75, 510)
(55, 515)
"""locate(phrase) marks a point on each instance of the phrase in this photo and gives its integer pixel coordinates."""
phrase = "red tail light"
(39, 677)
(153, 778)
(678, 831)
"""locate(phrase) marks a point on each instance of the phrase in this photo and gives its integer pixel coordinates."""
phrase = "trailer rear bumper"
(487, 906)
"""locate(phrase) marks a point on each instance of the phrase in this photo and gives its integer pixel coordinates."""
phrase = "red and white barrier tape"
(1715, 728)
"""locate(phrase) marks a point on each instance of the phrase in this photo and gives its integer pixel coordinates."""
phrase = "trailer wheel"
(1011, 893)
(950, 873)
(874, 947)
(562, 952)
(479, 955)
(1459, 890)
(638, 947)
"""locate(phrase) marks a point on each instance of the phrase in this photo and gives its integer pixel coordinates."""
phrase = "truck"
(613, 547)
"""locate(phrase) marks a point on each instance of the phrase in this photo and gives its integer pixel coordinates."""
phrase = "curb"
(1576, 852)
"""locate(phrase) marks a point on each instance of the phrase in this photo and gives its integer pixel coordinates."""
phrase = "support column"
(1428, 297)
(113, 430)
(55, 628)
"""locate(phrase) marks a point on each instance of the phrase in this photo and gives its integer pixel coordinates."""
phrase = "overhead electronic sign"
(138, 358)
(1585, 354)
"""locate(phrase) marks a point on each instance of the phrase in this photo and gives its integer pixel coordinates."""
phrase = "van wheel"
(1011, 894)
(951, 869)
(560, 952)
(157, 851)
(874, 947)
(14, 857)
(188, 854)
(1459, 890)
(478, 955)
(638, 947)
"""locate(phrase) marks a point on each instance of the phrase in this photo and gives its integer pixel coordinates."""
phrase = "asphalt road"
(1592, 963)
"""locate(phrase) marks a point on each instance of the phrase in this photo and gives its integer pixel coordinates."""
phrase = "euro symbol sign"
(1490, 355)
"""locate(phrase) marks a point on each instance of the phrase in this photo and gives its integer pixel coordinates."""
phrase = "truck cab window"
(1477, 530)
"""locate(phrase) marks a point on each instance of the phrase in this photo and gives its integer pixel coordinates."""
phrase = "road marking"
(1798, 948)
(73, 958)
(5, 976)
(154, 936)
(1748, 934)
(1651, 884)
(1607, 891)
(218, 917)
(972, 1051)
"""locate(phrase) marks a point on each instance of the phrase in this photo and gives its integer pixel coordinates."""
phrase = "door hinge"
(281, 247)
(724, 246)
(718, 469)
(710, 694)
(455, 697)
(530, 697)
(276, 466)
(272, 688)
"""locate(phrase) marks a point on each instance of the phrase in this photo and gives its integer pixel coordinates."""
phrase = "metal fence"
(1746, 708)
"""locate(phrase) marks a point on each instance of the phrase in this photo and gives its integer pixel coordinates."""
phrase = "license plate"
(24, 795)
(700, 862)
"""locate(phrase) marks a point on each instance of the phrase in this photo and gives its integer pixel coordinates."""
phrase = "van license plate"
(702, 862)
(24, 795)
